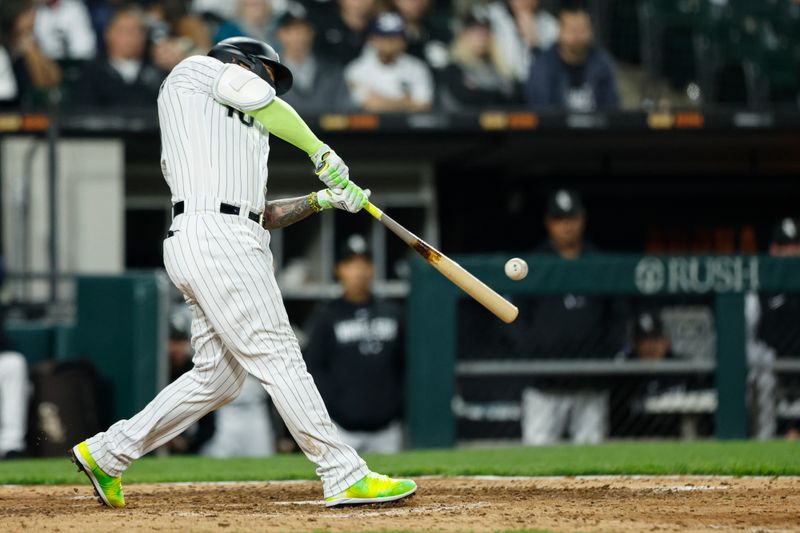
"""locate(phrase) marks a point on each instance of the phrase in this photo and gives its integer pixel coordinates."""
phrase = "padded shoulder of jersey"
(241, 89)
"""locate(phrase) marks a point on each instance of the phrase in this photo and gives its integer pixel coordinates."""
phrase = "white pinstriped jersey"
(209, 150)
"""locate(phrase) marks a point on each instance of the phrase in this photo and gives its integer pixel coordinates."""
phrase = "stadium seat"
(742, 58)
(668, 30)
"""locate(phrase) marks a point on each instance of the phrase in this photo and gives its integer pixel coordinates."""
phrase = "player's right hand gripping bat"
(502, 308)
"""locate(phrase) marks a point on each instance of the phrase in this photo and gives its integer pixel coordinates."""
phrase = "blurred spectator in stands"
(179, 350)
(574, 74)
(426, 36)
(473, 78)
(64, 30)
(253, 19)
(14, 390)
(568, 326)
(319, 85)
(124, 77)
(223, 9)
(176, 33)
(343, 32)
(386, 79)
(522, 31)
(100, 13)
(355, 353)
(23, 65)
(772, 320)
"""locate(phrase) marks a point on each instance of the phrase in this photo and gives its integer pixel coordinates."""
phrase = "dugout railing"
(434, 368)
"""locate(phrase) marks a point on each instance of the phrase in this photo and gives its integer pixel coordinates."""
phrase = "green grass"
(723, 458)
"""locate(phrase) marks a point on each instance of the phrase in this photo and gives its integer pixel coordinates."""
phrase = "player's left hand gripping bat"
(502, 308)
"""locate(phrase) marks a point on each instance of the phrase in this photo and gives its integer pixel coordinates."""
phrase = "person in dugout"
(355, 353)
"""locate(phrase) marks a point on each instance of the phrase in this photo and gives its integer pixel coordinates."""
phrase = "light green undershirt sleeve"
(282, 121)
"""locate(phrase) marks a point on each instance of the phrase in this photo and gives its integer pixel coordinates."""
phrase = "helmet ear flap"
(229, 54)
(261, 71)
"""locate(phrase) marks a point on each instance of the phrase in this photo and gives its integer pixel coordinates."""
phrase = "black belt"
(225, 209)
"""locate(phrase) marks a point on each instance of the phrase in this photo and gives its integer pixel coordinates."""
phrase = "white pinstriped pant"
(223, 266)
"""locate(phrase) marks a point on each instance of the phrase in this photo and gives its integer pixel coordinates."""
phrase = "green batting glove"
(330, 168)
(351, 199)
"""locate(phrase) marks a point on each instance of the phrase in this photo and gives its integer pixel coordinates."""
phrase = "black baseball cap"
(564, 203)
(648, 326)
(295, 14)
(354, 245)
(388, 24)
(787, 231)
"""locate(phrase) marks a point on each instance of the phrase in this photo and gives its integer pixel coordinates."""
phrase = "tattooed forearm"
(285, 212)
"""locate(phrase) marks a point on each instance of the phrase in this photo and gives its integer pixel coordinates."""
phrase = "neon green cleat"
(373, 488)
(107, 488)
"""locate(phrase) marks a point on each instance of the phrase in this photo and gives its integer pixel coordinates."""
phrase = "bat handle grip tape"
(374, 211)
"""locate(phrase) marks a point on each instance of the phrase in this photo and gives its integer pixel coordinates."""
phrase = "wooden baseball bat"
(502, 308)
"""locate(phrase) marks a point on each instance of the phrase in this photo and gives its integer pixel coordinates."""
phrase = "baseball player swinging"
(216, 114)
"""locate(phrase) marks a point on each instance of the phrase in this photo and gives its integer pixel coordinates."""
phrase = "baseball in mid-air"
(516, 269)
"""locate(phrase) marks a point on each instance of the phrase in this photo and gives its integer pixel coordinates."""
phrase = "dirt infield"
(619, 504)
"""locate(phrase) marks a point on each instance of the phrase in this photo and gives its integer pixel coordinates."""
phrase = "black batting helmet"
(254, 53)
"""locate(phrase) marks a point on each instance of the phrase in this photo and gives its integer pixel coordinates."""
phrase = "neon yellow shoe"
(107, 488)
(373, 488)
